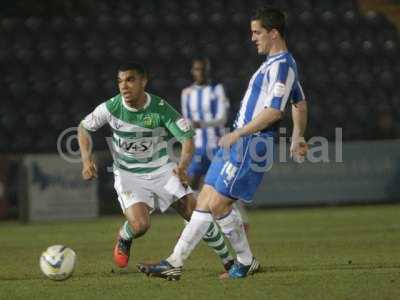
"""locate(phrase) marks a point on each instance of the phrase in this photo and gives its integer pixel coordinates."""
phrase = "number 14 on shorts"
(228, 172)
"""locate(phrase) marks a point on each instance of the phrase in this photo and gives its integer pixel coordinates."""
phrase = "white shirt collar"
(206, 83)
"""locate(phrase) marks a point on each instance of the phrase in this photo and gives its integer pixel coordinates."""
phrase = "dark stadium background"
(59, 58)
(324, 229)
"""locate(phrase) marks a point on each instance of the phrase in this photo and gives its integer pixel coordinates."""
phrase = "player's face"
(261, 37)
(131, 85)
(199, 72)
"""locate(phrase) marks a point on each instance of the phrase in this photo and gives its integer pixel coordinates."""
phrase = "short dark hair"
(271, 18)
(205, 61)
(134, 66)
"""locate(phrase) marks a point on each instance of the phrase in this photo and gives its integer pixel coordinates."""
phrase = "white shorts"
(159, 189)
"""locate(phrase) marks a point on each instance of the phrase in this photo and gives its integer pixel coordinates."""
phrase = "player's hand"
(229, 139)
(298, 149)
(182, 175)
(89, 170)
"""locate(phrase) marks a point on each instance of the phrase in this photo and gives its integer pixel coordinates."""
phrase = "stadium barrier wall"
(357, 172)
(54, 190)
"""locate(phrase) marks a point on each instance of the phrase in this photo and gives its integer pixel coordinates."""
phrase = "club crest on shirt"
(148, 121)
(183, 124)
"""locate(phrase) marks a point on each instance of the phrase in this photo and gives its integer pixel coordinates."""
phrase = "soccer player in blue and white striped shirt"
(205, 105)
(237, 175)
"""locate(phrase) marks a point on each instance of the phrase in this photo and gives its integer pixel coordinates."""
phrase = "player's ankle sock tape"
(201, 215)
(126, 231)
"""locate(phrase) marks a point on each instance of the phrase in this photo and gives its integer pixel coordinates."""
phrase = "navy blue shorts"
(201, 161)
(236, 173)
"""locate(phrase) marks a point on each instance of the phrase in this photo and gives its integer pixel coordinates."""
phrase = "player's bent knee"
(220, 205)
(140, 227)
(204, 198)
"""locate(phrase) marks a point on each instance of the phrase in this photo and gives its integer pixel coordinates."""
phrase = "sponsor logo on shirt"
(135, 147)
(117, 125)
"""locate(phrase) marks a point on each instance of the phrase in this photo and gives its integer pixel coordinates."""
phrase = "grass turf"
(317, 253)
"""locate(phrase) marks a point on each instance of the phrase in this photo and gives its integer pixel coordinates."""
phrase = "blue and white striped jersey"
(208, 105)
(272, 85)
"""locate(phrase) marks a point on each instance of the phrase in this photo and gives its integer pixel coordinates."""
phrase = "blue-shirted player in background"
(205, 105)
(238, 175)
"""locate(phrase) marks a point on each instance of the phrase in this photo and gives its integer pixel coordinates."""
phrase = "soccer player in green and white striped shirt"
(144, 127)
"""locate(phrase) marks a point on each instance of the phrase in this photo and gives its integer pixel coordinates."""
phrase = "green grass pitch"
(315, 253)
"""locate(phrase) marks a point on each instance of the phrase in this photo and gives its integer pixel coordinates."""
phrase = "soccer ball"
(58, 262)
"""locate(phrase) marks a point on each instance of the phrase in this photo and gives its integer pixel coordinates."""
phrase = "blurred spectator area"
(59, 60)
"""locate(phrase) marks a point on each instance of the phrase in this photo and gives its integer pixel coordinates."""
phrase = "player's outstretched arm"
(264, 119)
(89, 170)
(299, 147)
(185, 159)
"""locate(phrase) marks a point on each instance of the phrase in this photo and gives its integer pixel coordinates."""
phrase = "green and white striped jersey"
(142, 140)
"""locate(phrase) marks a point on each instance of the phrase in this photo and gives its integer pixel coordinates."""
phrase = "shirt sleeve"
(281, 80)
(176, 124)
(297, 92)
(96, 119)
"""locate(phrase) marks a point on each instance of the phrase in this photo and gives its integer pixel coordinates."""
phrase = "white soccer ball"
(58, 262)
